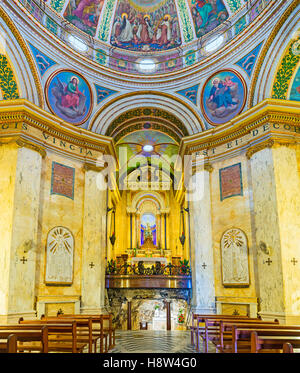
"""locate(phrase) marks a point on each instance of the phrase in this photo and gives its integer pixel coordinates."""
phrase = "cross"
(204, 265)
(269, 261)
(92, 265)
(294, 261)
(23, 260)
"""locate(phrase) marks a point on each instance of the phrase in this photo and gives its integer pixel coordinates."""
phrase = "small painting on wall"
(223, 97)
(69, 96)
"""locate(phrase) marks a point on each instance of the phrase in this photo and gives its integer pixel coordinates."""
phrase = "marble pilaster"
(19, 230)
(202, 261)
(93, 245)
(276, 183)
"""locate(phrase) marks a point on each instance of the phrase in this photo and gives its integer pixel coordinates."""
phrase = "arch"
(19, 54)
(265, 71)
(164, 101)
(153, 196)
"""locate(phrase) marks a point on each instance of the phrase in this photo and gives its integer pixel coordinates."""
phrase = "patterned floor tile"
(154, 342)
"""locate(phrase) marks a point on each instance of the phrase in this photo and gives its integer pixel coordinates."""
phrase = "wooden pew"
(241, 335)
(288, 348)
(85, 332)
(10, 346)
(100, 319)
(26, 335)
(273, 340)
(211, 331)
(195, 317)
(62, 337)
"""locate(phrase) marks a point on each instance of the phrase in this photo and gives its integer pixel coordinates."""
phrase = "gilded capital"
(27, 144)
(92, 167)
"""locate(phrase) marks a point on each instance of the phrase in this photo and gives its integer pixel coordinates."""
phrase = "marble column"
(202, 261)
(20, 181)
(93, 244)
(276, 185)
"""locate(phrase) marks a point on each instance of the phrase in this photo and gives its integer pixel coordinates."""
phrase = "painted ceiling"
(144, 25)
(133, 151)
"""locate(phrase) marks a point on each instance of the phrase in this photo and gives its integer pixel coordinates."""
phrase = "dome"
(147, 26)
(147, 37)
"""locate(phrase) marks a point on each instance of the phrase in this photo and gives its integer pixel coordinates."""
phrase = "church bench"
(240, 340)
(99, 319)
(287, 348)
(62, 337)
(274, 341)
(10, 345)
(195, 317)
(213, 329)
(228, 334)
(22, 336)
(85, 332)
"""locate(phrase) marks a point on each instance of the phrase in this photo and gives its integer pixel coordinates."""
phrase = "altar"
(152, 260)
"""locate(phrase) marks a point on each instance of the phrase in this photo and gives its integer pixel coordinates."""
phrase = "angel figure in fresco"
(69, 99)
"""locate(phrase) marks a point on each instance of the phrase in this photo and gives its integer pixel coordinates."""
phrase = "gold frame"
(204, 86)
(47, 85)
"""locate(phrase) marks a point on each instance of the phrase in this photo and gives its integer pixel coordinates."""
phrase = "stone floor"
(147, 341)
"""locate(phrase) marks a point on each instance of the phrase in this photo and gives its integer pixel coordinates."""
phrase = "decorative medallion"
(69, 96)
(43, 62)
(190, 93)
(103, 93)
(235, 260)
(59, 257)
(247, 63)
(223, 97)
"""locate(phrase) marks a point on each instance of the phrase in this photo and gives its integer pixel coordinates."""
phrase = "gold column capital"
(30, 145)
(92, 167)
(270, 143)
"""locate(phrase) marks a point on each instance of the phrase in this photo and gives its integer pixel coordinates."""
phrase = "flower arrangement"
(180, 317)
(184, 267)
(111, 267)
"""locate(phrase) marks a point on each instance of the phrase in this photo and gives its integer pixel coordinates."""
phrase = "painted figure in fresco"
(145, 33)
(72, 94)
(85, 14)
(126, 34)
(204, 9)
(207, 14)
(222, 96)
(69, 99)
(164, 32)
(156, 30)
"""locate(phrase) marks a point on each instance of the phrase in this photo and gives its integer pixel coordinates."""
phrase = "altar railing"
(155, 270)
(157, 276)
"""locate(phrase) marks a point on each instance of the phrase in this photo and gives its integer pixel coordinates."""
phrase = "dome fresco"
(141, 25)
(169, 34)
